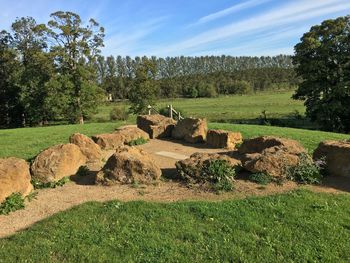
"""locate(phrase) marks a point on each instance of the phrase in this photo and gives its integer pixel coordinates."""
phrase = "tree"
(144, 90)
(322, 60)
(75, 49)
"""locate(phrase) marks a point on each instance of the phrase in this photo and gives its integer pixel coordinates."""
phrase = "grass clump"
(119, 113)
(261, 178)
(12, 203)
(220, 174)
(138, 141)
(306, 172)
(40, 185)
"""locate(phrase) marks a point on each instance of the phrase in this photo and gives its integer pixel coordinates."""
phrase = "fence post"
(149, 109)
(171, 111)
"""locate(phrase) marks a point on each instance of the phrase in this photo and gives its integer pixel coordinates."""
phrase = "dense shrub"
(261, 178)
(12, 203)
(206, 90)
(220, 174)
(119, 113)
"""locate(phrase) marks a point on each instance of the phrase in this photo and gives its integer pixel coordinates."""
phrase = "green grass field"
(295, 227)
(228, 108)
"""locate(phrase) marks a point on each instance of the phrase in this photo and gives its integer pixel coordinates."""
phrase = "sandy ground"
(51, 201)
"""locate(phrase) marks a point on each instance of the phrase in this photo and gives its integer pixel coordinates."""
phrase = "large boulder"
(129, 165)
(223, 139)
(120, 137)
(156, 125)
(88, 147)
(336, 155)
(14, 177)
(270, 155)
(192, 168)
(57, 162)
(191, 130)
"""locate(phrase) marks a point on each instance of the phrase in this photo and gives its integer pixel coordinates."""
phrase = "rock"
(192, 168)
(156, 125)
(191, 130)
(270, 155)
(129, 165)
(337, 156)
(120, 137)
(88, 147)
(57, 162)
(14, 177)
(223, 139)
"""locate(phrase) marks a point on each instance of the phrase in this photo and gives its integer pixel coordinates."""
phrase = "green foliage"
(119, 114)
(306, 172)
(207, 90)
(12, 203)
(138, 141)
(261, 178)
(40, 185)
(321, 60)
(299, 226)
(220, 173)
(83, 171)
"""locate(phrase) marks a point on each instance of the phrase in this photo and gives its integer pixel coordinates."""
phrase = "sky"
(189, 27)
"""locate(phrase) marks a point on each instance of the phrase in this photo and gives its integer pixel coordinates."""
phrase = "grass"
(300, 226)
(228, 108)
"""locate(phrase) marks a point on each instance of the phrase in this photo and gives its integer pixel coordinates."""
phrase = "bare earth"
(165, 153)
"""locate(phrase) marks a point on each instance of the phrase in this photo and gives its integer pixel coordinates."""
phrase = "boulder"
(223, 139)
(270, 155)
(336, 155)
(110, 141)
(156, 125)
(129, 165)
(191, 130)
(14, 177)
(192, 168)
(57, 162)
(88, 147)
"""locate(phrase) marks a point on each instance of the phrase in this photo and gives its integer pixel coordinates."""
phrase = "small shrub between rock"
(40, 185)
(138, 141)
(261, 178)
(306, 172)
(12, 203)
(220, 174)
(119, 114)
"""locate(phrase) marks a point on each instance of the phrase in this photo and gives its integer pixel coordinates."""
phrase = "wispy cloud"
(295, 12)
(231, 10)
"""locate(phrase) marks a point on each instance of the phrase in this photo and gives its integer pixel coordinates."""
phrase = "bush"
(40, 185)
(206, 90)
(220, 174)
(119, 113)
(261, 178)
(12, 203)
(306, 172)
(239, 87)
(138, 141)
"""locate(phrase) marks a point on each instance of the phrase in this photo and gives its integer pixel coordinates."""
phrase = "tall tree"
(322, 59)
(75, 48)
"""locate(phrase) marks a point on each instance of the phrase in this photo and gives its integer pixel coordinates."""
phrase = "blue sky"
(189, 27)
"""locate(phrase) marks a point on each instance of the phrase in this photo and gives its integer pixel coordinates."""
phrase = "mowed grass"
(299, 226)
(26, 143)
(228, 108)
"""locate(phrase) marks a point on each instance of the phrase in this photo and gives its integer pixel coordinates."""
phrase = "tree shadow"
(171, 174)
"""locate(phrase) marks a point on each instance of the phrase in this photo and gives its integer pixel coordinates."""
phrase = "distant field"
(28, 142)
(229, 108)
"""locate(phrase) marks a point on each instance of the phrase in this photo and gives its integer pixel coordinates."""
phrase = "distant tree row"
(198, 76)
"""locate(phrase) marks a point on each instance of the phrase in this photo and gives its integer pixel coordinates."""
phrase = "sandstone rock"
(120, 137)
(14, 177)
(270, 155)
(87, 146)
(57, 162)
(129, 165)
(192, 168)
(191, 130)
(337, 156)
(223, 139)
(156, 125)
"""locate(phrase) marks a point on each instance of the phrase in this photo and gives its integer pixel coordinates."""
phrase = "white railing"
(172, 112)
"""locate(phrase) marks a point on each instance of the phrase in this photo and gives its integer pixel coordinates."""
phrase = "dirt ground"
(51, 201)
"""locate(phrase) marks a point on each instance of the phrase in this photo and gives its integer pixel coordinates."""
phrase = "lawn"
(26, 143)
(299, 226)
(229, 108)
